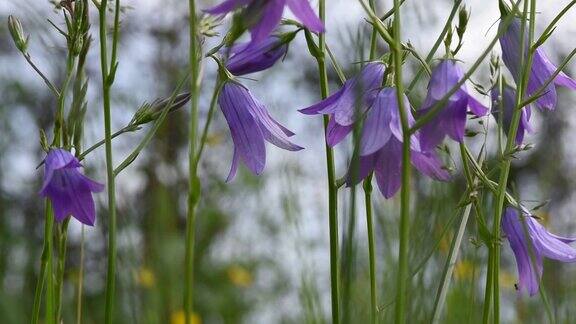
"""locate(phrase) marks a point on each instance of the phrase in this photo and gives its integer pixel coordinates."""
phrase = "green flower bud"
(17, 33)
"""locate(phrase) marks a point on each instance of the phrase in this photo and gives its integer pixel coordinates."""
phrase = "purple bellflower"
(247, 59)
(265, 15)
(530, 249)
(540, 71)
(250, 125)
(69, 190)
(351, 101)
(509, 103)
(381, 147)
(451, 120)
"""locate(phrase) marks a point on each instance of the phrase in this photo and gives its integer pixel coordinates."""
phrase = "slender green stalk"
(40, 285)
(368, 204)
(193, 181)
(456, 242)
(50, 311)
(62, 237)
(332, 187)
(213, 101)
(404, 226)
(80, 281)
(371, 248)
(108, 73)
(525, 63)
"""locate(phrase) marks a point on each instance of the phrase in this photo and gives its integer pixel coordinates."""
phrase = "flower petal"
(430, 164)
(235, 102)
(233, 166)
(388, 168)
(364, 166)
(376, 129)
(548, 245)
(529, 274)
(335, 132)
(269, 20)
(226, 7)
(453, 119)
(324, 104)
(304, 12)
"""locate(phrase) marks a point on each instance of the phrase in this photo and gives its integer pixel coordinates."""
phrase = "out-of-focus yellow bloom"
(145, 277)
(463, 270)
(179, 317)
(507, 279)
(214, 139)
(444, 244)
(239, 276)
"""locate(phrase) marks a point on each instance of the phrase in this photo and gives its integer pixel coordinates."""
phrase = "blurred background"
(262, 242)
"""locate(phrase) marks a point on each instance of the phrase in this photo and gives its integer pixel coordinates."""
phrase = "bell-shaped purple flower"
(250, 125)
(508, 103)
(451, 120)
(381, 147)
(247, 59)
(530, 249)
(263, 16)
(540, 71)
(349, 103)
(69, 190)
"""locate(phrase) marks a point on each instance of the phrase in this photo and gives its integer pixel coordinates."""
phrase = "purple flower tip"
(540, 71)
(69, 190)
(269, 13)
(250, 125)
(530, 242)
(249, 58)
(381, 147)
(451, 120)
(508, 104)
(351, 101)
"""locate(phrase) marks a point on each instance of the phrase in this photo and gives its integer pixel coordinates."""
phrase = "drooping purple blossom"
(540, 71)
(263, 16)
(69, 190)
(451, 120)
(509, 103)
(381, 147)
(530, 249)
(247, 59)
(348, 103)
(250, 125)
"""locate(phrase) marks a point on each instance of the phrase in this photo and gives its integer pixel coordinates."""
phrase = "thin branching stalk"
(48, 234)
(435, 47)
(456, 242)
(193, 181)
(526, 64)
(108, 73)
(204, 137)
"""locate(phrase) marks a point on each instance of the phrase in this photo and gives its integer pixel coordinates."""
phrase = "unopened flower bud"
(17, 33)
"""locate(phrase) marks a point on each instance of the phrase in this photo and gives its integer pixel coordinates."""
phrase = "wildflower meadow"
(287, 161)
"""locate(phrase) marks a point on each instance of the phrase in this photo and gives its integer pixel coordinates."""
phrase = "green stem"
(108, 74)
(213, 102)
(510, 142)
(193, 181)
(371, 249)
(80, 281)
(368, 204)
(332, 187)
(62, 238)
(404, 226)
(50, 313)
